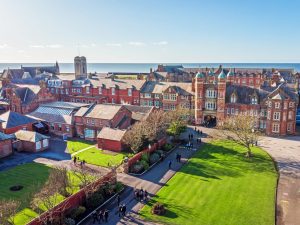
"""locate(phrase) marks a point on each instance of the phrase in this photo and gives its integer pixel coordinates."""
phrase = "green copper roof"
(222, 75)
(230, 73)
(199, 75)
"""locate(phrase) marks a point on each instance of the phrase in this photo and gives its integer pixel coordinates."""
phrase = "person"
(200, 140)
(81, 164)
(189, 137)
(145, 195)
(197, 140)
(124, 210)
(136, 194)
(192, 136)
(100, 216)
(201, 132)
(195, 128)
(179, 158)
(170, 164)
(106, 215)
(118, 199)
(95, 217)
(141, 195)
(120, 210)
(74, 160)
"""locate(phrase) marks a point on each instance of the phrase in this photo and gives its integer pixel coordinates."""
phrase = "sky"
(144, 31)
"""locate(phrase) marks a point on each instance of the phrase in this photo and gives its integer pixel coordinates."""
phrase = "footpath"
(152, 181)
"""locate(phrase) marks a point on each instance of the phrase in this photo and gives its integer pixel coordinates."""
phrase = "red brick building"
(11, 122)
(90, 120)
(268, 95)
(5, 145)
(111, 139)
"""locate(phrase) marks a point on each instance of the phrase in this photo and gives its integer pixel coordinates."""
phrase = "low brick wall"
(73, 201)
(154, 147)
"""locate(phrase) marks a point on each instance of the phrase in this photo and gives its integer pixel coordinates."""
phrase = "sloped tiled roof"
(51, 118)
(30, 136)
(111, 134)
(139, 112)
(13, 119)
(159, 87)
(101, 111)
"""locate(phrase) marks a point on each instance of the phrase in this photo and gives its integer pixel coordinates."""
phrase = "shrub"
(75, 213)
(145, 157)
(154, 158)
(119, 186)
(145, 164)
(158, 209)
(167, 147)
(94, 200)
(137, 168)
(70, 221)
(159, 152)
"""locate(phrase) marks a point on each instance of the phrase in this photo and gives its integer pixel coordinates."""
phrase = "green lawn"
(76, 145)
(97, 157)
(31, 176)
(219, 186)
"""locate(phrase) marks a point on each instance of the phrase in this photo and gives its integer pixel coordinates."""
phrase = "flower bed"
(147, 160)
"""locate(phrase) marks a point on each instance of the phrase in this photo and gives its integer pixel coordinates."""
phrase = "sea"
(145, 67)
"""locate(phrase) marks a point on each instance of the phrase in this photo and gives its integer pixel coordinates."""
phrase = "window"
(88, 133)
(52, 126)
(270, 104)
(276, 116)
(59, 127)
(253, 100)
(129, 92)
(166, 96)
(113, 91)
(100, 90)
(291, 114)
(67, 91)
(173, 107)
(211, 93)
(228, 110)
(67, 129)
(232, 111)
(87, 90)
(277, 105)
(156, 95)
(156, 103)
(262, 124)
(291, 104)
(275, 128)
(289, 127)
(210, 105)
(233, 98)
(147, 95)
(173, 97)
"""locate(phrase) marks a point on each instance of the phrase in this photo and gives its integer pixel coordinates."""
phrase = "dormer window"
(253, 100)
(233, 98)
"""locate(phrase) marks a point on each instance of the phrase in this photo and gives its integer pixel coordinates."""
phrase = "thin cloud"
(160, 43)
(114, 44)
(3, 46)
(137, 43)
(87, 45)
(37, 46)
(54, 46)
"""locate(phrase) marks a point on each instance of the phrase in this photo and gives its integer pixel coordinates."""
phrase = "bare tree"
(8, 210)
(242, 130)
(135, 137)
(156, 124)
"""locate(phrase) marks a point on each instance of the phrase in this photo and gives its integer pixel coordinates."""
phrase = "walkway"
(82, 150)
(286, 152)
(151, 181)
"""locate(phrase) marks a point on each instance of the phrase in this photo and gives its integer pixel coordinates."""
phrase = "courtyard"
(219, 186)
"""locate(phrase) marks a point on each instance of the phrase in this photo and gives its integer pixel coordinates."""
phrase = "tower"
(221, 96)
(80, 67)
(199, 97)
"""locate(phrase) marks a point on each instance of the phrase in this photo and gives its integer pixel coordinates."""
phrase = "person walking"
(118, 199)
(170, 164)
(145, 195)
(74, 160)
(179, 158)
(124, 209)
(106, 215)
(141, 194)
(200, 140)
(120, 210)
(192, 136)
(100, 216)
(95, 217)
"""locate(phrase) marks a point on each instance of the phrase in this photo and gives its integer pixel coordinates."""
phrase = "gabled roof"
(100, 111)
(111, 134)
(13, 119)
(159, 87)
(30, 136)
(139, 112)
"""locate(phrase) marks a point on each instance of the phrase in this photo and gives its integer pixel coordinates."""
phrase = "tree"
(242, 130)
(135, 138)
(155, 126)
(176, 128)
(8, 210)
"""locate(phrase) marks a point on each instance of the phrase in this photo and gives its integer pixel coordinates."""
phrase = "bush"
(154, 158)
(145, 164)
(137, 168)
(158, 209)
(70, 221)
(75, 213)
(167, 147)
(119, 186)
(145, 157)
(94, 200)
(159, 152)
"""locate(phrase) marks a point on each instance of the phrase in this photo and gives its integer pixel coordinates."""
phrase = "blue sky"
(150, 31)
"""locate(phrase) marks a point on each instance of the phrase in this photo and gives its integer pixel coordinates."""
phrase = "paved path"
(286, 152)
(82, 150)
(151, 181)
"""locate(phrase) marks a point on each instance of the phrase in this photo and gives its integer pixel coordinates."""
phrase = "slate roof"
(13, 119)
(51, 118)
(111, 134)
(121, 83)
(159, 87)
(100, 111)
(139, 113)
(30, 136)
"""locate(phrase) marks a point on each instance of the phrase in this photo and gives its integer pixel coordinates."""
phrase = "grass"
(97, 157)
(31, 176)
(219, 186)
(76, 145)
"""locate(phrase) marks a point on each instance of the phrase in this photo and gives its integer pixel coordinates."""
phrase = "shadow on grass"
(219, 159)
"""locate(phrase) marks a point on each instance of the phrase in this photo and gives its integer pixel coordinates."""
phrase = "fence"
(73, 201)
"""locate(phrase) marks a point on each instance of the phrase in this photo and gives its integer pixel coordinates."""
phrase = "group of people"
(122, 210)
(198, 131)
(100, 216)
(76, 159)
(178, 157)
(141, 195)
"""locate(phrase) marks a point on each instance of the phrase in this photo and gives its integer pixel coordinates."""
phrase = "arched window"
(253, 100)
(233, 98)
